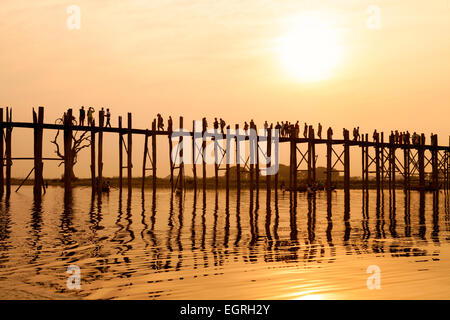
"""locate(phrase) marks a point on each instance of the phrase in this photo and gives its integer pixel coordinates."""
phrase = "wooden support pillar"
(382, 160)
(129, 154)
(2, 182)
(93, 177)
(38, 120)
(68, 151)
(329, 158)
(144, 161)
(377, 164)
(101, 121)
(421, 160)
(8, 151)
(392, 164)
(238, 161)
(228, 160)
(310, 159)
(154, 155)
(194, 158)
(203, 154)
(434, 162)
(268, 165)
(366, 165)
(363, 166)
(120, 155)
(170, 131)
(346, 161)
(257, 171)
(277, 139)
(293, 163)
(216, 159)
(406, 167)
(181, 172)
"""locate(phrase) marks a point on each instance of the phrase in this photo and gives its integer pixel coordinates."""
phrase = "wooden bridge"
(378, 157)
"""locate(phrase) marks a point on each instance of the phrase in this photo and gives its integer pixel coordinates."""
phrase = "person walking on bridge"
(160, 122)
(108, 118)
(319, 131)
(90, 115)
(82, 115)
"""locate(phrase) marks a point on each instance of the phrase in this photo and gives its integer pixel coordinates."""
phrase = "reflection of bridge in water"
(174, 236)
(255, 233)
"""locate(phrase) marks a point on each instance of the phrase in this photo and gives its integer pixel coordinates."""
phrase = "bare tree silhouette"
(79, 142)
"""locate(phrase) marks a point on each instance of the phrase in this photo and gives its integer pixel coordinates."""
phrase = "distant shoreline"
(355, 183)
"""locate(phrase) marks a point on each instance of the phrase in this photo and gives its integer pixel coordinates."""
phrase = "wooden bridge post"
(421, 160)
(170, 131)
(277, 139)
(120, 154)
(363, 166)
(144, 161)
(129, 154)
(392, 164)
(329, 159)
(228, 160)
(194, 150)
(434, 161)
(68, 151)
(251, 157)
(406, 167)
(216, 159)
(93, 177)
(203, 154)
(8, 150)
(293, 163)
(382, 161)
(101, 120)
(238, 160)
(310, 176)
(377, 163)
(268, 165)
(257, 171)
(181, 170)
(154, 162)
(346, 161)
(366, 165)
(2, 187)
(38, 120)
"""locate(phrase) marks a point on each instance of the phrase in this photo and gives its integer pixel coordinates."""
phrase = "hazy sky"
(221, 58)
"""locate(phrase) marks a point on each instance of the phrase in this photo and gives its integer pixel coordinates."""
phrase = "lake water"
(205, 247)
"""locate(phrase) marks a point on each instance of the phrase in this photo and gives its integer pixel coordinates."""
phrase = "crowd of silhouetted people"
(286, 129)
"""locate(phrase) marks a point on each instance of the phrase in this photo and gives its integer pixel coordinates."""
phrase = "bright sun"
(309, 50)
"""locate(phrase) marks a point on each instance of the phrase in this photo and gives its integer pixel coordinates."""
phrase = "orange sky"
(219, 58)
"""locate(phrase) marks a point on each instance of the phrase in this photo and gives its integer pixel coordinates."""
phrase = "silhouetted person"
(160, 122)
(329, 132)
(319, 131)
(305, 131)
(108, 118)
(222, 125)
(297, 129)
(246, 127)
(82, 115)
(90, 115)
